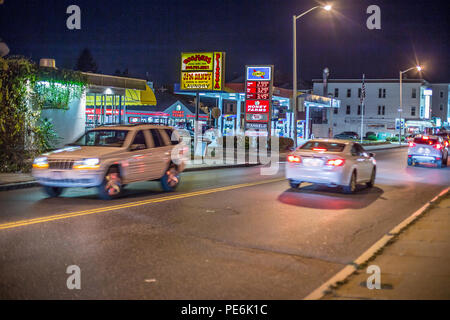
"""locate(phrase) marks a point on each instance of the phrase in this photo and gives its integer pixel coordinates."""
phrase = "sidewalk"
(415, 265)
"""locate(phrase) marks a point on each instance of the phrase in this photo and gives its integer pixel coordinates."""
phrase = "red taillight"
(295, 159)
(412, 144)
(335, 162)
(438, 146)
(319, 149)
(425, 138)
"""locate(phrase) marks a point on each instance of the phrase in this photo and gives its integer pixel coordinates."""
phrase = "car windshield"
(102, 138)
(323, 146)
(425, 140)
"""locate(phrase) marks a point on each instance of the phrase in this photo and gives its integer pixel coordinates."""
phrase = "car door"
(138, 158)
(364, 161)
(160, 153)
(359, 161)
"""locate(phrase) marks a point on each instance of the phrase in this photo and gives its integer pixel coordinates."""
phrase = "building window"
(383, 111)
(359, 110)
(335, 110)
(336, 92)
(349, 93)
(348, 110)
(359, 92)
(413, 111)
(379, 110)
(441, 94)
(381, 93)
(441, 107)
(384, 93)
(414, 93)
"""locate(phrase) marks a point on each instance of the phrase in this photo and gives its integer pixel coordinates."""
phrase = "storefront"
(232, 123)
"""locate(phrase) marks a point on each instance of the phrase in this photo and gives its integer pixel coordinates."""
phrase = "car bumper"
(425, 159)
(332, 176)
(68, 178)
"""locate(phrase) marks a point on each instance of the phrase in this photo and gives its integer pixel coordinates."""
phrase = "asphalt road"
(225, 234)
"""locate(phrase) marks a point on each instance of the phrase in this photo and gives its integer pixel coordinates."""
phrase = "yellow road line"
(26, 222)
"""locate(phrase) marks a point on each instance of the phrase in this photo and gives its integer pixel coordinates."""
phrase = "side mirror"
(135, 147)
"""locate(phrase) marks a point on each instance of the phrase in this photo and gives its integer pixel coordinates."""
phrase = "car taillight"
(412, 144)
(295, 159)
(438, 146)
(335, 162)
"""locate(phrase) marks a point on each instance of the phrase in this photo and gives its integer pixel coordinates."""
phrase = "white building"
(441, 102)
(382, 105)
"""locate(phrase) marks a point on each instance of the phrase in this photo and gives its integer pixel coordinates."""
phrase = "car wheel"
(111, 186)
(371, 183)
(171, 179)
(53, 191)
(351, 188)
(293, 184)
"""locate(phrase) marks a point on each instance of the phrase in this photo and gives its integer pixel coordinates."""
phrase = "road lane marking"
(21, 223)
(350, 268)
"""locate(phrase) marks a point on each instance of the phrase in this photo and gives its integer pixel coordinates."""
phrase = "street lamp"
(294, 89)
(418, 68)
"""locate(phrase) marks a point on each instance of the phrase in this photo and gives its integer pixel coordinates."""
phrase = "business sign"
(258, 97)
(203, 71)
(256, 126)
(259, 73)
(196, 80)
(257, 106)
(257, 117)
(202, 61)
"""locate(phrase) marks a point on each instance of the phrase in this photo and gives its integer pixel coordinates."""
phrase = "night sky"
(148, 36)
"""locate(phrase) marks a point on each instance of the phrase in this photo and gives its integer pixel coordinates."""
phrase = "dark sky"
(148, 36)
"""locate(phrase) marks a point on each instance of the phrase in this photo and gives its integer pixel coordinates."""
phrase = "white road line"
(352, 267)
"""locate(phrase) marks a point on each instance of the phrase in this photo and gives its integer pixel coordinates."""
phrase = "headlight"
(40, 163)
(92, 163)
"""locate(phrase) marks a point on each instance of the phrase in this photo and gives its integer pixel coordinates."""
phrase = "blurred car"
(347, 135)
(331, 162)
(445, 137)
(110, 157)
(427, 149)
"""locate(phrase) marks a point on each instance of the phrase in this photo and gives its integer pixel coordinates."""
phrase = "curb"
(221, 167)
(18, 185)
(31, 184)
(396, 147)
(369, 253)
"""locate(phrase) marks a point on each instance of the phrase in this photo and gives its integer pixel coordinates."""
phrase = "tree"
(86, 62)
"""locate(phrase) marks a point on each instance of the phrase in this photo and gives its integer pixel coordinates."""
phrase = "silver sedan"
(331, 162)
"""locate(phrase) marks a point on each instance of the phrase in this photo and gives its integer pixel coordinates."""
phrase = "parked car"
(331, 162)
(347, 135)
(111, 157)
(427, 149)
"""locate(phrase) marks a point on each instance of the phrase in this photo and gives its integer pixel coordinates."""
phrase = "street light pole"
(294, 71)
(419, 68)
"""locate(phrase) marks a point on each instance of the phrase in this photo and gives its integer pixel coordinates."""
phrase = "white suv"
(110, 157)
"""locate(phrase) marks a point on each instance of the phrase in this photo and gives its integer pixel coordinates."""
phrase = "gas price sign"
(258, 95)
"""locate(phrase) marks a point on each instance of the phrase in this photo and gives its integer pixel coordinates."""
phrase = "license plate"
(313, 162)
(57, 175)
(423, 151)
